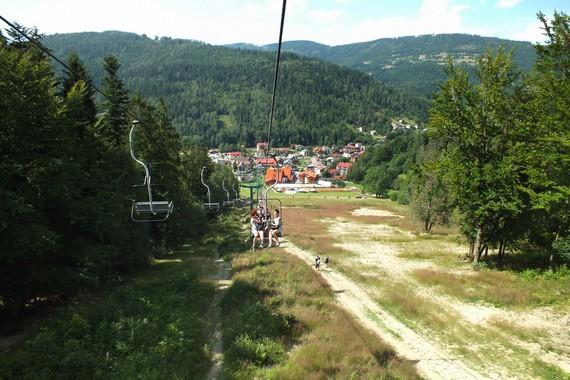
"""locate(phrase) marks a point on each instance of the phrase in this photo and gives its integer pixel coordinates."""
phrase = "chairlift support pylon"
(159, 211)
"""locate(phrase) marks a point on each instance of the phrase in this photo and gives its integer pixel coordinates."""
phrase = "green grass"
(500, 288)
(151, 327)
(281, 322)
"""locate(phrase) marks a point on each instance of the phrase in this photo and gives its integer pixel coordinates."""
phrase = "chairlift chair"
(210, 206)
(155, 211)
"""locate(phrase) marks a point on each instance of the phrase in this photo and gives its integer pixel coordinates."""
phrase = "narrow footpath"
(222, 280)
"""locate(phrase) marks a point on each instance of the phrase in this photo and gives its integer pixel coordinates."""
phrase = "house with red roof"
(307, 177)
(285, 175)
(266, 161)
(342, 168)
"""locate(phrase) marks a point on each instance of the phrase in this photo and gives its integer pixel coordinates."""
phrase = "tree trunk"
(427, 221)
(501, 253)
(477, 245)
(485, 250)
(551, 263)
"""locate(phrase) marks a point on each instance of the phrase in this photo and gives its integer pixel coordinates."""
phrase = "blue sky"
(332, 22)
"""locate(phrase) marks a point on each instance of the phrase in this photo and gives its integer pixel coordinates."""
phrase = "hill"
(221, 96)
(411, 63)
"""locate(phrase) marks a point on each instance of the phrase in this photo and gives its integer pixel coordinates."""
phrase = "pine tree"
(78, 73)
(114, 126)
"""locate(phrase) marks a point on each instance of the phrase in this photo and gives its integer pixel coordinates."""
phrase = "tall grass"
(281, 322)
(501, 288)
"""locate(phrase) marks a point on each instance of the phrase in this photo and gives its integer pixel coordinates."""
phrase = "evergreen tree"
(78, 73)
(114, 127)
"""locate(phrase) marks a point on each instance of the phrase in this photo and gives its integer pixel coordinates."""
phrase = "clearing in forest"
(501, 324)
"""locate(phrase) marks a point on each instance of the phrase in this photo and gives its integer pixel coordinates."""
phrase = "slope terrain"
(411, 63)
(221, 96)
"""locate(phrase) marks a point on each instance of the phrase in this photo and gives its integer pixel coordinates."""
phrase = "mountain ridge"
(218, 95)
(413, 63)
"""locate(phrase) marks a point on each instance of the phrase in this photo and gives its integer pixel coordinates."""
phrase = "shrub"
(259, 352)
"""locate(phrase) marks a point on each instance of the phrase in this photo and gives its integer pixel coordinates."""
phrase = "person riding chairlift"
(274, 229)
(257, 229)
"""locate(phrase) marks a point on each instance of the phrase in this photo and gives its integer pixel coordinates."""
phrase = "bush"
(338, 183)
(260, 352)
(562, 248)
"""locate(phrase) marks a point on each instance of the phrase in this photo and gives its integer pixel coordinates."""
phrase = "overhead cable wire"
(55, 58)
(278, 59)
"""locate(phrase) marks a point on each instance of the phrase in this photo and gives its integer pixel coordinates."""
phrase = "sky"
(332, 22)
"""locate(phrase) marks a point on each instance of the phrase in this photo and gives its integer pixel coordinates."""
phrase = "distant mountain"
(412, 63)
(221, 96)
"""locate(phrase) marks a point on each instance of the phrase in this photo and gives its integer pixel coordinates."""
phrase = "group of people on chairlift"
(262, 224)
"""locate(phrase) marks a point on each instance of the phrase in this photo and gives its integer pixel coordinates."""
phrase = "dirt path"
(222, 279)
(431, 361)
(373, 246)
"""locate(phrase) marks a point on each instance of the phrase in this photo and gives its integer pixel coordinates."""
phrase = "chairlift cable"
(65, 65)
(151, 207)
(278, 59)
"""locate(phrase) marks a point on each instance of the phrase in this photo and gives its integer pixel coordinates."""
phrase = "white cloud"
(507, 3)
(440, 16)
(532, 32)
(434, 16)
(254, 21)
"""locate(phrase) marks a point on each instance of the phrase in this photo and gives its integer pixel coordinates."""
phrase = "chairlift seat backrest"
(211, 206)
(158, 207)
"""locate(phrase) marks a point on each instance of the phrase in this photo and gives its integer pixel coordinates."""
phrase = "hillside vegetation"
(221, 96)
(495, 154)
(411, 63)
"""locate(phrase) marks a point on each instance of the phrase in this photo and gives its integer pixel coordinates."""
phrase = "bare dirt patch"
(374, 212)
(380, 249)
(431, 361)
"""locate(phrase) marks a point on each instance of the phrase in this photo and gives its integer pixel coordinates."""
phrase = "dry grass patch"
(321, 340)
(401, 300)
(440, 251)
(305, 228)
(497, 288)
(526, 334)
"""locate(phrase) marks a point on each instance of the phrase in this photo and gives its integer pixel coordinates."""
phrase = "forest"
(67, 178)
(410, 63)
(219, 96)
(495, 156)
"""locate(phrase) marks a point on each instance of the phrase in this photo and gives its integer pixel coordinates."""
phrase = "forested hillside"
(412, 63)
(220, 96)
(497, 153)
(67, 179)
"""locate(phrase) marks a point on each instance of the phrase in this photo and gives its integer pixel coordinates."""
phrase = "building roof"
(344, 165)
(266, 161)
(308, 174)
(271, 174)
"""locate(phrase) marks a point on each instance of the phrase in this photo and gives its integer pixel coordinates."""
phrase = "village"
(295, 169)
